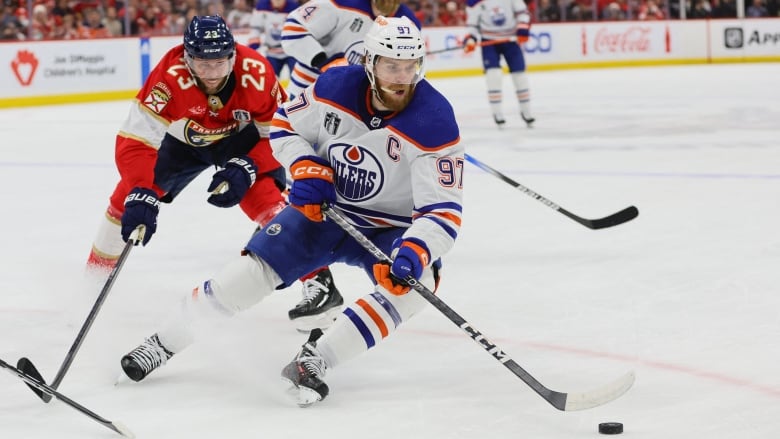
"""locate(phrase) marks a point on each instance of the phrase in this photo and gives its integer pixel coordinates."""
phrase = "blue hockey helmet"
(208, 37)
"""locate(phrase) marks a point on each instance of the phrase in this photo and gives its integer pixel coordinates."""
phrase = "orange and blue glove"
(410, 257)
(312, 186)
(470, 43)
(523, 32)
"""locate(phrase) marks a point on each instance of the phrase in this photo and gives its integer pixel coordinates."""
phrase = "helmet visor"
(209, 69)
(398, 71)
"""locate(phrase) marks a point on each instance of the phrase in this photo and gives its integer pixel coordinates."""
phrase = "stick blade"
(123, 430)
(616, 218)
(601, 395)
(25, 365)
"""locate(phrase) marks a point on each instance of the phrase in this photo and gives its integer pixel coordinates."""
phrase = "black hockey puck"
(610, 428)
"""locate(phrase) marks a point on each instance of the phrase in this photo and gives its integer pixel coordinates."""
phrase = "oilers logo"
(276, 33)
(354, 53)
(498, 16)
(359, 175)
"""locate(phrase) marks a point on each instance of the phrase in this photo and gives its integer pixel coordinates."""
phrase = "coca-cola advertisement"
(637, 39)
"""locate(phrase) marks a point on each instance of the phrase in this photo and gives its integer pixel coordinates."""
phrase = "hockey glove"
(141, 208)
(523, 33)
(322, 63)
(469, 43)
(229, 185)
(312, 185)
(409, 258)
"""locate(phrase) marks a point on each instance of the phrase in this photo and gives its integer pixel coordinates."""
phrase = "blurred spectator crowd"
(74, 19)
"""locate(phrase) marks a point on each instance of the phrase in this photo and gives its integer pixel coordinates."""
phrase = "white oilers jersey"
(496, 19)
(391, 169)
(268, 22)
(336, 27)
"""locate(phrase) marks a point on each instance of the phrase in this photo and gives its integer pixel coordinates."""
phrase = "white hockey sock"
(108, 243)
(520, 80)
(493, 77)
(367, 322)
(241, 284)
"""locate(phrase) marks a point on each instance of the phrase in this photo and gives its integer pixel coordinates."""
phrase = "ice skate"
(529, 121)
(321, 303)
(499, 119)
(305, 373)
(147, 357)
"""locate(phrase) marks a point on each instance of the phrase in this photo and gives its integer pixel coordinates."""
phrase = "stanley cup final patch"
(332, 122)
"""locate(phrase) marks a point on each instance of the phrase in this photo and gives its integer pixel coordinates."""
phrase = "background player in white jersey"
(321, 300)
(268, 19)
(325, 33)
(321, 34)
(509, 22)
(360, 140)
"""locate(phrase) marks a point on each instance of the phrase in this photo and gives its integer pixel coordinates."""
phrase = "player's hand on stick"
(322, 62)
(141, 208)
(410, 257)
(470, 43)
(312, 186)
(229, 185)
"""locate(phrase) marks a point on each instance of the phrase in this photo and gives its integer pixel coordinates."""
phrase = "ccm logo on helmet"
(406, 47)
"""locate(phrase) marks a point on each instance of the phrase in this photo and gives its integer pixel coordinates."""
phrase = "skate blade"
(307, 397)
(322, 321)
(302, 396)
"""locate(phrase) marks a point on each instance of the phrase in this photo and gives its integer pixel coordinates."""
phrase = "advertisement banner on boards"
(58, 67)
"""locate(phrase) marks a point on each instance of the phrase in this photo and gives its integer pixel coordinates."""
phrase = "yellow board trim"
(32, 101)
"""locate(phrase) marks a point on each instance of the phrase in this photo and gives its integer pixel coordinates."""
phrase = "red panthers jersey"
(170, 102)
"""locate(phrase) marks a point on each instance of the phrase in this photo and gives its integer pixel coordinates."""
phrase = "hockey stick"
(615, 219)
(480, 44)
(26, 366)
(561, 401)
(43, 388)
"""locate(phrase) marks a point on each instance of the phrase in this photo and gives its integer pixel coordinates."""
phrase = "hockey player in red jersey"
(208, 102)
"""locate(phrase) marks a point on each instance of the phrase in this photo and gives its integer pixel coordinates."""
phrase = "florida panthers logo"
(359, 175)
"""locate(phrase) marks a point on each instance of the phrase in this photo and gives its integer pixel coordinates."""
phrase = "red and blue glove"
(312, 186)
(410, 257)
(141, 208)
(239, 174)
(470, 43)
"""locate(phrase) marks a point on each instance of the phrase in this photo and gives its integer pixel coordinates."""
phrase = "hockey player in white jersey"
(325, 33)
(500, 27)
(321, 34)
(360, 140)
(268, 20)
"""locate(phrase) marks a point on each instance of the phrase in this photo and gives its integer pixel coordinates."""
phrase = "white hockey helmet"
(396, 38)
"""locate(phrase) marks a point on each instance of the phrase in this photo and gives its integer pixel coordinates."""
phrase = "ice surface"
(687, 295)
